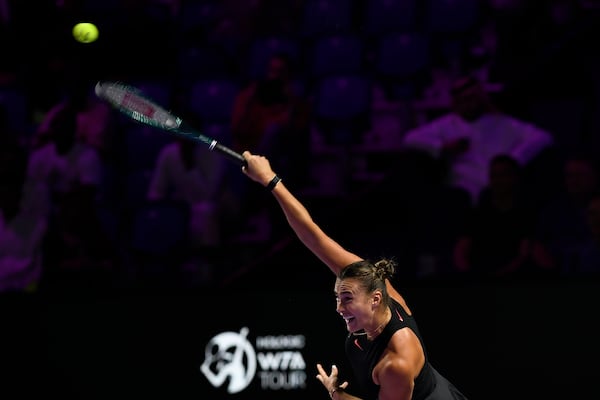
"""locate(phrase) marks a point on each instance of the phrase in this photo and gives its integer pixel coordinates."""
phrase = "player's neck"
(372, 334)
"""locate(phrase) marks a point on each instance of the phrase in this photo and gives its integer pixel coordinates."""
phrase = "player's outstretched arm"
(298, 217)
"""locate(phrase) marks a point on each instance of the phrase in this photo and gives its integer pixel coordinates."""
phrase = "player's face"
(354, 304)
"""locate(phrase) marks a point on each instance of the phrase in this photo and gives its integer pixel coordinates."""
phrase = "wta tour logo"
(231, 359)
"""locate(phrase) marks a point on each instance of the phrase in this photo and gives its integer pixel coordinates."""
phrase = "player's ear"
(376, 298)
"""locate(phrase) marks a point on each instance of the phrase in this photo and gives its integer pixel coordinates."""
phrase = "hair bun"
(385, 268)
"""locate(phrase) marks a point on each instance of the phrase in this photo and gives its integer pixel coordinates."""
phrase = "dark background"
(494, 341)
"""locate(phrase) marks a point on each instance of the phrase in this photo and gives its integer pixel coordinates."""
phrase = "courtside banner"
(203, 346)
(265, 343)
(270, 350)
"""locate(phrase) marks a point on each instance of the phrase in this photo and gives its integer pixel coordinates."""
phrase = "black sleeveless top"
(364, 354)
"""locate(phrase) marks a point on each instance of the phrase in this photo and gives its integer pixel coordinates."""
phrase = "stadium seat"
(261, 50)
(211, 100)
(386, 16)
(142, 145)
(336, 55)
(159, 228)
(326, 17)
(343, 106)
(451, 16)
(197, 62)
(402, 63)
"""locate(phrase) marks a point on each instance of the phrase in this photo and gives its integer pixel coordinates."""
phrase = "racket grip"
(232, 155)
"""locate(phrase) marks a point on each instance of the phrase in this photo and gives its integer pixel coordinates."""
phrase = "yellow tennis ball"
(85, 32)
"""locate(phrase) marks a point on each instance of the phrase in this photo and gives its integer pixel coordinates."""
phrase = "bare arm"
(394, 373)
(395, 379)
(298, 217)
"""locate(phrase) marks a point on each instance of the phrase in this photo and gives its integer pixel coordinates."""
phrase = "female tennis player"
(384, 346)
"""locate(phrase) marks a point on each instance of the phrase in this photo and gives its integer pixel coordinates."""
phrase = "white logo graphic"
(230, 355)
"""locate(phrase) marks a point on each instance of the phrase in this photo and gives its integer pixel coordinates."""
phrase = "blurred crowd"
(460, 136)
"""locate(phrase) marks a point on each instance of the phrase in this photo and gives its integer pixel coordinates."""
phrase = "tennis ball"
(85, 32)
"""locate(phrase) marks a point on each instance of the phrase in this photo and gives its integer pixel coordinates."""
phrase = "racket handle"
(232, 155)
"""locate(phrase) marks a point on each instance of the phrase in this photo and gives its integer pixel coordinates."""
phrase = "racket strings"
(140, 108)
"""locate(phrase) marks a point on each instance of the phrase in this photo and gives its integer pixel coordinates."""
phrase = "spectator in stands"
(189, 173)
(562, 225)
(96, 124)
(588, 260)
(497, 238)
(63, 174)
(21, 233)
(94, 119)
(473, 132)
(270, 117)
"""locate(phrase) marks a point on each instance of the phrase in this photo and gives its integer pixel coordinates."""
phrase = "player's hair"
(371, 275)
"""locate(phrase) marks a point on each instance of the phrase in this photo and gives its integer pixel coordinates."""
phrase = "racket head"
(136, 105)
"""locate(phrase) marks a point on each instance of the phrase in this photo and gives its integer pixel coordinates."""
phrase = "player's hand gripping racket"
(136, 105)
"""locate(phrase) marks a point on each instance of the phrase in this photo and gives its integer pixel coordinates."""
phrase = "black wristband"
(273, 182)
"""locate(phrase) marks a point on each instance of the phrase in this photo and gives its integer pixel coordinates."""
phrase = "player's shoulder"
(404, 343)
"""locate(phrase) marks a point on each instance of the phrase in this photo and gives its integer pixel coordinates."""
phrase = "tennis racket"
(139, 107)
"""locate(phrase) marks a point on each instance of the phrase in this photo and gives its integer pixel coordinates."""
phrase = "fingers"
(330, 381)
(246, 154)
(323, 376)
(320, 369)
(323, 372)
(257, 168)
